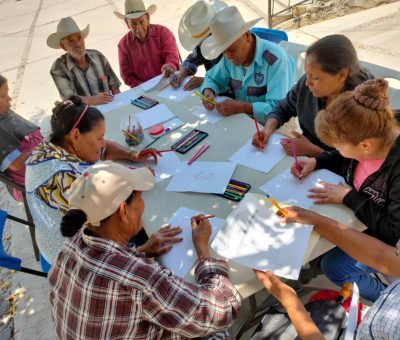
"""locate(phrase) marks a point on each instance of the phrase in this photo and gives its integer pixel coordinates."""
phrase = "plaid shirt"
(71, 79)
(196, 59)
(102, 290)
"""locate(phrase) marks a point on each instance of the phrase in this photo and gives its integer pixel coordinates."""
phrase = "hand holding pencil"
(208, 98)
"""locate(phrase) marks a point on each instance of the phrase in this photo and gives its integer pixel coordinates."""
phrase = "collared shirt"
(102, 290)
(141, 61)
(70, 79)
(267, 80)
(196, 59)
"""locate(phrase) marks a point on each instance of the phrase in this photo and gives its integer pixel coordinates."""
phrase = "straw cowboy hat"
(135, 9)
(195, 22)
(227, 26)
(65, 27)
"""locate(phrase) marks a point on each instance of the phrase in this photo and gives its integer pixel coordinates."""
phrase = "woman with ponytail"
(76, 142)
(361, 127)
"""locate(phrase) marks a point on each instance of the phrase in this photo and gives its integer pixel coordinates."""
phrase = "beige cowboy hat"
(135, 9)
(65, 27)
(195, 22)
(227, 26)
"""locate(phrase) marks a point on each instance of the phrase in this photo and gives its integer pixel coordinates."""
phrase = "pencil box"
(189, 141)
(235, 190)
(144, 102)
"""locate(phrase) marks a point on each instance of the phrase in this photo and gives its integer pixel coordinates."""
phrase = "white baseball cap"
(101, 188)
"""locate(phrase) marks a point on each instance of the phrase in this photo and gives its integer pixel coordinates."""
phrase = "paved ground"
(25, 60)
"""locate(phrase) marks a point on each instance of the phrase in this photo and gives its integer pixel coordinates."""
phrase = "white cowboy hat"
(227, 26)
(195, 22)
(65, 27)
(135, 9)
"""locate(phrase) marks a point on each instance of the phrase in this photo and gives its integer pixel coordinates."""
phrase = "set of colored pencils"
(236, 189)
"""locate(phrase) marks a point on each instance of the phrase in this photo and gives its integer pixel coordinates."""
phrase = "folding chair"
(270, 34)
(8, 261)
(11, 184)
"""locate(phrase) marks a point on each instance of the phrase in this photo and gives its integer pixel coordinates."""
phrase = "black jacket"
(300, 102)
(377, 203)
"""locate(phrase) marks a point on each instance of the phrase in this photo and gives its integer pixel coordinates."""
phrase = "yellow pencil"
(130, 135)
(198, 94)
(283, 212)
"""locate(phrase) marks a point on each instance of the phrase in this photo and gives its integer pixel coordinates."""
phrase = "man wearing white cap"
(147, 49)
(259, 71)
(102, 289)
(82, 72)
(193, 29)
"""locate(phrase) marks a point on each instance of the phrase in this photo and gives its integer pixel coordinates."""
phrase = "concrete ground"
(25, 60)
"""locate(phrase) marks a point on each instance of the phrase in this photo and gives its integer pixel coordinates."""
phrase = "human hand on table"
(229, 107)
(302, 145)
(145, 154)
(329, 193)
(300, 215)
(193, 83)
(201, 232)
(100, 98)
(281, 291)
(161, 242)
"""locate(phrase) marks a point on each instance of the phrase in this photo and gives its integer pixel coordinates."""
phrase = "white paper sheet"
(207, 177)
(155, 115)
(253, 236)
(120, 100)
(285, 187)
(181, 258)
(211, 116)
(175, 94)
(168, 165)
(151, 83)
(263, 161)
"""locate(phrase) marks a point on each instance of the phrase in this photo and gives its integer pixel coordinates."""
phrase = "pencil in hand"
(199, 219)
(274, 203)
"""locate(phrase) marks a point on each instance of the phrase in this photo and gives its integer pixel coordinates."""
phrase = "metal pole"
(269, 13)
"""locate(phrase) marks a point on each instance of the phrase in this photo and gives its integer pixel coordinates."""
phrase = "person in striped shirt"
(82, 72)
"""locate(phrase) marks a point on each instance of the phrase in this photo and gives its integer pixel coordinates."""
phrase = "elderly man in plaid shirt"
(86, 73)
(101, 289)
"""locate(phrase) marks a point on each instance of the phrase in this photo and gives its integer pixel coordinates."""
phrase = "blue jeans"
(341, 268)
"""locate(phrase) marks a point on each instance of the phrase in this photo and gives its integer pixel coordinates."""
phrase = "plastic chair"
(270, 34)
(8, 261)
(11, 184)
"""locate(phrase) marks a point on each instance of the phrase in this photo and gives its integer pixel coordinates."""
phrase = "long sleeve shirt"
(70, 79)
(300, 102)
(141, 61)
(100, 289)
(268, 78)
(196, 59)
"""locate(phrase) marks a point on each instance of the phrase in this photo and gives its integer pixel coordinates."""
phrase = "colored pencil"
(283, 212)
(198, 94)
(235, 192)
(296, 162)
(233, 195)
(236, 187)
(130, 135)
(258, 131)
(245, 185)
(203, 149)
(204, 217)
